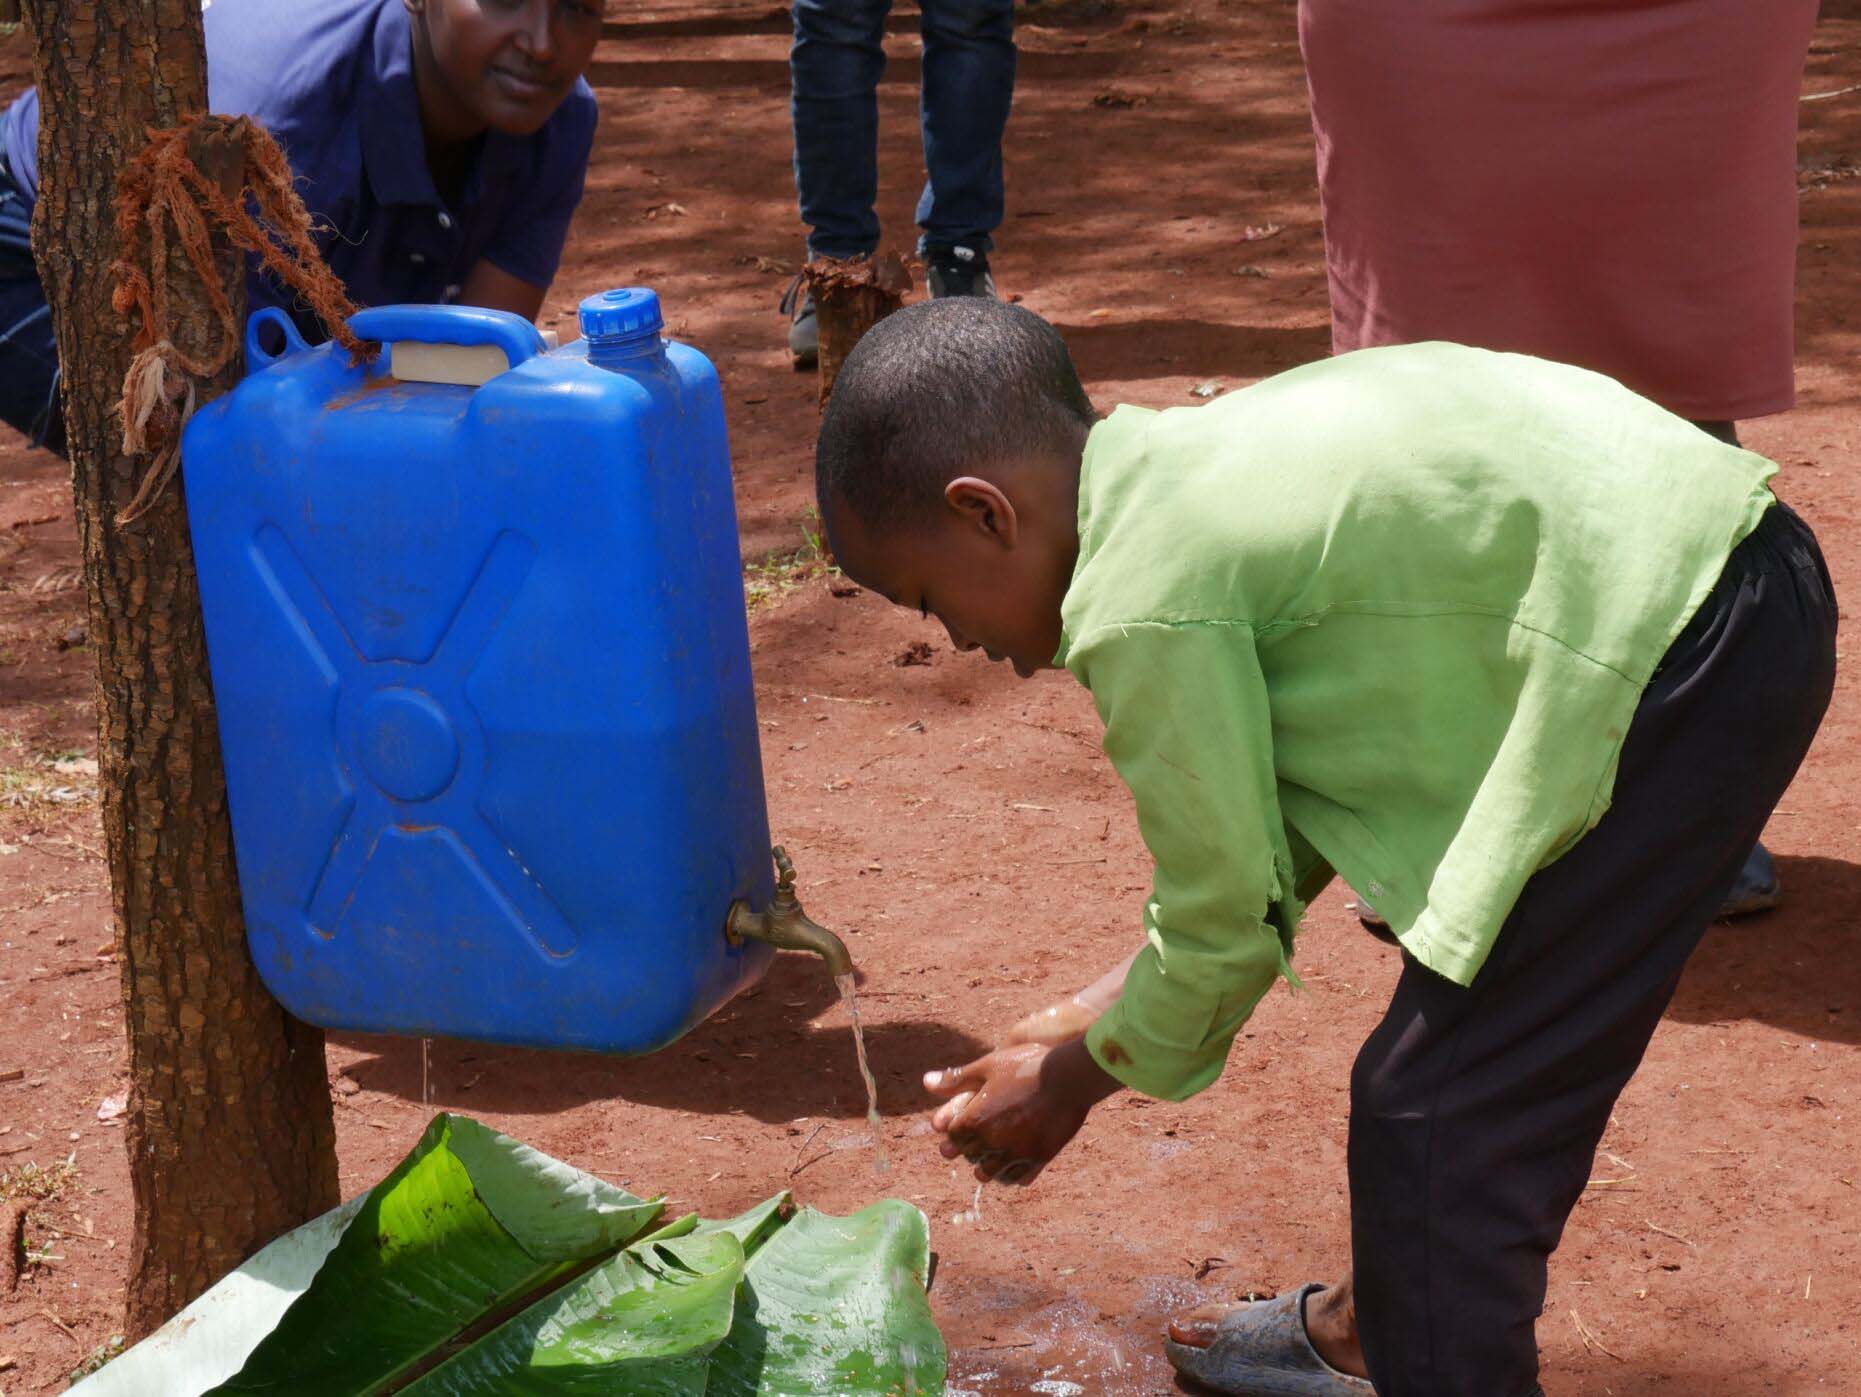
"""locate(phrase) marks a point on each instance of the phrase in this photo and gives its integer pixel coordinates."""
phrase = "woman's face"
(505, 65)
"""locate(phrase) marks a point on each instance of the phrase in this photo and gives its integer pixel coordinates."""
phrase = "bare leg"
(1331, 1325)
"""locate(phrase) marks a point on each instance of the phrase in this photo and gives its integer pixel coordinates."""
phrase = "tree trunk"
(230, 1136)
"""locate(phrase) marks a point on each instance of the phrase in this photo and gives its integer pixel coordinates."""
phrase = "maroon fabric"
(1610, 183)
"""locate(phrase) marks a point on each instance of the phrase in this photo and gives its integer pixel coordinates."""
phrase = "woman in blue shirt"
(440, 146)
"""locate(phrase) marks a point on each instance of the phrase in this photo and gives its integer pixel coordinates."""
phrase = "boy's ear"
(984, 508)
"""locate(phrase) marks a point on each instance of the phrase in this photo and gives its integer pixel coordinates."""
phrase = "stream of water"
(881, 1161)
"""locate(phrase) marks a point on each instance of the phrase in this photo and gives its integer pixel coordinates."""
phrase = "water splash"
(973, 1213)
(881, 1161)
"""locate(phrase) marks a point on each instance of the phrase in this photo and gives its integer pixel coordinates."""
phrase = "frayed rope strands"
(162, 197)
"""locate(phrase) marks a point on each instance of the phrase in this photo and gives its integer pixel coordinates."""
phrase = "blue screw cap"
(630, 312)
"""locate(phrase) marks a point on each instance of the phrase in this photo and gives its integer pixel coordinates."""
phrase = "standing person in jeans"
(968, 83)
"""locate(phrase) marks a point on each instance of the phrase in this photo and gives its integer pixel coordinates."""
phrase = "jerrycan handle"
(468, 327)
(257, 356)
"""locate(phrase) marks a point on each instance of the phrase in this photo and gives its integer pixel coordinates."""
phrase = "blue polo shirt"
(333, 81)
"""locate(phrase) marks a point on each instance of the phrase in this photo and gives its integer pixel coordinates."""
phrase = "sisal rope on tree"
(163, 200)
(851, 295)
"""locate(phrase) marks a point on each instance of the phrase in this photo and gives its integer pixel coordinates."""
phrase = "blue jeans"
(29, 364)
(968, 84)
(28, 352)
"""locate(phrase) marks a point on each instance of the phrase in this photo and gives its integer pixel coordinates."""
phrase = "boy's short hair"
(938, 390)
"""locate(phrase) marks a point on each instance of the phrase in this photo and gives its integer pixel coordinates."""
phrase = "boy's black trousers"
(1475, 1112)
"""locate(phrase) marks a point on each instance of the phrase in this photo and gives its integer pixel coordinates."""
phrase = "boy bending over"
(1521, 655)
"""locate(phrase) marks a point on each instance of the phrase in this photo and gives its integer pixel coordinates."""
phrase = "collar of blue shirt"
(392, 151)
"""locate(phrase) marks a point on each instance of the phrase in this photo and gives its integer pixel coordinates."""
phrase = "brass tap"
(785, 926)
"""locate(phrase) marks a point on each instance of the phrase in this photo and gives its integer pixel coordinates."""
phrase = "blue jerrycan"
(476, 627)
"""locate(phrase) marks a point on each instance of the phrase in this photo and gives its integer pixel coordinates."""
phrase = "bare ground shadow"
(1797, 968)
(1136, 349)
(773, 72)
(762, 1056)
(726, 24)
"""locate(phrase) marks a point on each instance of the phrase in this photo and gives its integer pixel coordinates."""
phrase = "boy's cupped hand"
(1011, 1111)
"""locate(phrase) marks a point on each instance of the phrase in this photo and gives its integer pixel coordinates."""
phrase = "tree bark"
(230, 1135)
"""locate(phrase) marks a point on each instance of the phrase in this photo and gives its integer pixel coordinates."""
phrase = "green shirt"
(1388, 614)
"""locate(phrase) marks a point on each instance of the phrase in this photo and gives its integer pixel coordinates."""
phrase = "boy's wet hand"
(1012, 1111)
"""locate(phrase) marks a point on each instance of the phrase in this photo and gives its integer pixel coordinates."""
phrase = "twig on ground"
(1590, 1341)
(1060, 732)
(808, 1164)
(1621, 1185)
(65, 971)
(367, 1120)
(1824, 96)
(1656, 1227)
(797, 1166)
(63, 1328)
(75, 1236)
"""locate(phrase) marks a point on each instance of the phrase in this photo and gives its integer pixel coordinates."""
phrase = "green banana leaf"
(468, 1222)
(836, 1305)
(480, 1265)
(643, 1323)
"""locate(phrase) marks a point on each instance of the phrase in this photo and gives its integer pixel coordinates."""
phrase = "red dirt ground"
(986, 861)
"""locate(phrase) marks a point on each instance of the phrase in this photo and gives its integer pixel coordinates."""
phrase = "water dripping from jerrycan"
(881, 1161)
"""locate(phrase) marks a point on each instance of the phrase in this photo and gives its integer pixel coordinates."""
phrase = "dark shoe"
(804, 331)
(958, 271)
(1374, 921)
(1756, 890)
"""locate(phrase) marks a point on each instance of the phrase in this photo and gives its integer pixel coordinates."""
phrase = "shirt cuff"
(1162, 1070)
